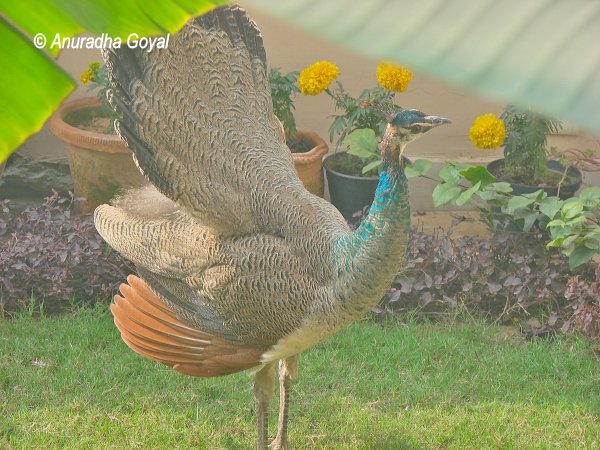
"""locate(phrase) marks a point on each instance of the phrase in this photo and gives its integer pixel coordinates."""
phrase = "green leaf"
(594, 234)
(500, 186)
(516, 203)
(576, 220)
(422, 165)
(372, 165)
(537, 195)
(362, 143)
(417, 169)
(450, 173)
(543, 53)
(488, 195)
(411, 173)
(465, 196)
(336, 127)
(590, 197)
(444, 193)
(569, 242)
(557, 232)
(529, 221)
(555, 223)
(117, 19)
(361, 153)
(593, 243)
(580, 256)
(571, 208)
(550, 206)
(49, 19)
(555, 242)
(478, 174)
(32, 85)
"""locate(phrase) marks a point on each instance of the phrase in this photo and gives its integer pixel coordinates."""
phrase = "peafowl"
(238, 265)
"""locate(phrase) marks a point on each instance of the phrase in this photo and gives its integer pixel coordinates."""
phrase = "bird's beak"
(435, 120)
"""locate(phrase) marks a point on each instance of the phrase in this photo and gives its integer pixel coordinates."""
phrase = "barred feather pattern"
(228, 238)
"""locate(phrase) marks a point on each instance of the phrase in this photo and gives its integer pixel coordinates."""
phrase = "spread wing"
(198, 117)
(235, 246)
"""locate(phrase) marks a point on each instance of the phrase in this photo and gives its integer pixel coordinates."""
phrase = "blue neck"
(370, 257)
(391, 187)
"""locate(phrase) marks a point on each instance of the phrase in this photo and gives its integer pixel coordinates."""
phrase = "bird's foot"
(279, 443)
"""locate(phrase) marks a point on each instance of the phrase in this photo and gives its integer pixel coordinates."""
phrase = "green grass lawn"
(69, 382)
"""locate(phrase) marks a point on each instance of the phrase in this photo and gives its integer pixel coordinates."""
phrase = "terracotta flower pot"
(309, 165)
(100, 164)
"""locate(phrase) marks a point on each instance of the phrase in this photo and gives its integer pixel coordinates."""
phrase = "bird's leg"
(288, 371)
(264, 386)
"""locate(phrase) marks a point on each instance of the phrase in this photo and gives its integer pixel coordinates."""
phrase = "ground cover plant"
(53, 257)
(508, 277)
(69, 382)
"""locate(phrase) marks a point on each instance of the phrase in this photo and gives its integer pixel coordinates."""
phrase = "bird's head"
(406, 126)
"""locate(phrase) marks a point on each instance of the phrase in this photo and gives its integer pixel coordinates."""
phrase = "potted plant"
(99, 161)
(307, 147)
(526, 165)
(568, 224)
(353, 175)
(526, 192)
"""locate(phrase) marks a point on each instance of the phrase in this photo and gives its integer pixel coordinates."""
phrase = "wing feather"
(238, 249)
(198, 117)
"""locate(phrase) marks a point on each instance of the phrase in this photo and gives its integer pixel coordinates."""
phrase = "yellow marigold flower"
(393, 77)
(317, 77)
(487, 131)
(86, 76)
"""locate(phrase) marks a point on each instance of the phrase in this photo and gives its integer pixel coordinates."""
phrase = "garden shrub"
(584, 300)
(508, 277)
(49, 255)
(57, 258)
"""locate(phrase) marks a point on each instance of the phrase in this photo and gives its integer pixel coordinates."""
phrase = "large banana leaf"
(32, 86)
(543, 53)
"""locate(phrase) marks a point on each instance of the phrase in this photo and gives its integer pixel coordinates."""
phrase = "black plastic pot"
(567, 189)
(349, 193)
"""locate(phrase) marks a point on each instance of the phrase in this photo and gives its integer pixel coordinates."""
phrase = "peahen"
(239, 266)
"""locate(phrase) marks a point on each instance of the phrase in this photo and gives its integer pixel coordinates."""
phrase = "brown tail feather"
(150, 328)
(156, 341)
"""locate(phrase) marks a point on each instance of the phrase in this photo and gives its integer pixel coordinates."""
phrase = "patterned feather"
(229, 239)
(199, 119)
(235, 246)
(240, 266)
